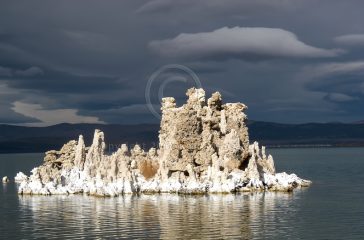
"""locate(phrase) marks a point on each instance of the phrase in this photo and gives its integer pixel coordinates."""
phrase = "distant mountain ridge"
(40, 139)
(15, 139)
(330, 134)
(359, 122)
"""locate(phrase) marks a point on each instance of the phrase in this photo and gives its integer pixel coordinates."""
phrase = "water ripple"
(156, 216)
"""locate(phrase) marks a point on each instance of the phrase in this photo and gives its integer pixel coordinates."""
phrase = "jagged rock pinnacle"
(203, 147)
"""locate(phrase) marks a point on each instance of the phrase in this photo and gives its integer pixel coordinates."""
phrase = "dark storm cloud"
(7, 115)
(30, 72)
(341, 83)
(338, 76)
(5, 72)
(91, 60)
(339, 97)
(63, 82)
(215, 7)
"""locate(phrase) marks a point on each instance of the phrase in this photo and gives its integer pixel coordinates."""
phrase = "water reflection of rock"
(158, 216)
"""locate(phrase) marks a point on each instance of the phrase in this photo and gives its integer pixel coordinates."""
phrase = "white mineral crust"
(20, 177)
(204, 148)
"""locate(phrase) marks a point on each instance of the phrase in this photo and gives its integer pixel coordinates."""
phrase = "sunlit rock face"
(203, 148)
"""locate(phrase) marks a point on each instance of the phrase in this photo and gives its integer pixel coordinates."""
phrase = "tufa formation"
(203, 148)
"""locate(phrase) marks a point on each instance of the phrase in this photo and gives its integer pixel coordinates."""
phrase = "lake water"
(332, 208)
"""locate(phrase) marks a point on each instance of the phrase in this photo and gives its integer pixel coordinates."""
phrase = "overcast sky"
(90, 61)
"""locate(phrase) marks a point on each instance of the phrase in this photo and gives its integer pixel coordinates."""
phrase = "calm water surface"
(332, 208)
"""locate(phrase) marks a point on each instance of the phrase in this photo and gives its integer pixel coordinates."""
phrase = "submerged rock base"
(203, 148)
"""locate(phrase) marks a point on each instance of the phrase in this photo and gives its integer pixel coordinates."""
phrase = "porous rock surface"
(203, 148)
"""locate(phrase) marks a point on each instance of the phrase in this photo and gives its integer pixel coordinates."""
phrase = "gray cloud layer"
(92, 59)
(351, 39)
(239, 42)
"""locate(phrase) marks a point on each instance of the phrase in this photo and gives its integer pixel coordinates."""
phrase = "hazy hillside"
(337, 134)
(40, 139)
